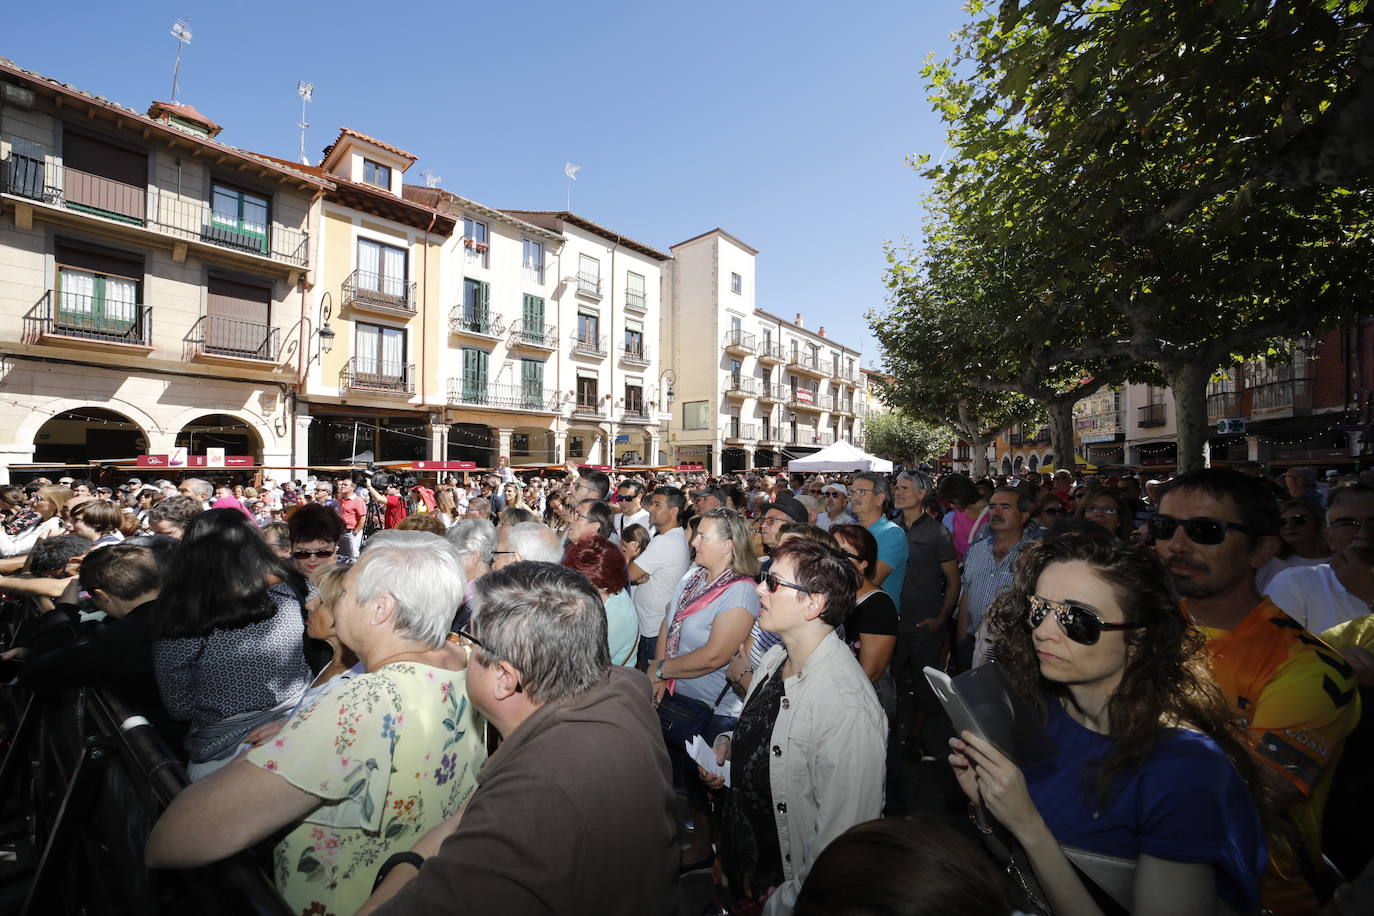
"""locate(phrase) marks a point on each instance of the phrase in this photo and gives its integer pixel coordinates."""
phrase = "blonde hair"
(735, 528)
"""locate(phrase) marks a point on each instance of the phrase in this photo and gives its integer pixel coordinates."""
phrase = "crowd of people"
(563, 692)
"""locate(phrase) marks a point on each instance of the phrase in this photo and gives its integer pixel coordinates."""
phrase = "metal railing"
(584, 407)
(589, 285)
(535, 274)
(806, 363)
(638, 413)
(1042, 436)
(469, 319)
(369, 288)
(367, 374)
(777, 393)
(1014, 438)
(769, 435)
(1295, 394)
(66, 314)
(808, 399)
(634, 299)
(860, 408)
(740, 431)
(528, 334)
(588, 344)
(740, 386)
(825, 438)
(213, 335)
(480, 393)
(1223, 405)
(772, 353)
(738, 340)
(635, 353)
(151, 207)
(1151, 415)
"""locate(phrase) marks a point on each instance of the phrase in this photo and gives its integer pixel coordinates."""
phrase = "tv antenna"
(431, 180)
(306, 91)
(181, 31)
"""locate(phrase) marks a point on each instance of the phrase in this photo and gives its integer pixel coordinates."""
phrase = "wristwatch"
(406, 857)
(658, 669)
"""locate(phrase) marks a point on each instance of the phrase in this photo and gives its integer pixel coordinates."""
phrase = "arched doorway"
(1032, 463)
(88, 434)
(1016, 465)
(473, 442)
(732, 459)
(1006, 465)
(220, 430)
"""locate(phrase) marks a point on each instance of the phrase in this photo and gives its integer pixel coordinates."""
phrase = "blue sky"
(787, 124)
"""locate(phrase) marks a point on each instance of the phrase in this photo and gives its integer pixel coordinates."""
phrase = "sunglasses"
(1199, 530)
(519, 687)
(1294, 521)
(772, 583)
(318, 554)
(1078, 623)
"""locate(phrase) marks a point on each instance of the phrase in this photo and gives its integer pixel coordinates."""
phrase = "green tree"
(897, 437)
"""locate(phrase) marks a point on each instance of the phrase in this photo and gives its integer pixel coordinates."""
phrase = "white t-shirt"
(623, 521)
(665, 560)
(1315, 598)
(1269, 570)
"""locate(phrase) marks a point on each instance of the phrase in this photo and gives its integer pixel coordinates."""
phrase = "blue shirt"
(892, 550)
(985, 578)
(1185, 804)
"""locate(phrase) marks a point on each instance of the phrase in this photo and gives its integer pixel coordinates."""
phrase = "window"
(634, 290)
(532, 257)
(475, 241)
(767, 377)
(767, 428)
(634, 341)
(767, 339)
(736, 283)
(734, 426)
(104, 177)
(588, 328)
(520, 443)
(634, 398)
(475, 375)
(586, 392)
(238, 319)
(796, 351)
(532, 384)
(589, 276)
(376, 174)
(380, 351)
(100, 302)
(695, 415)
(575, 447)
(238, 218)
(382, 268)
(477, 306)
(532, 315)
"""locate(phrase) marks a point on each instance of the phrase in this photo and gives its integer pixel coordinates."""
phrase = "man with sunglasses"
(573, 813)
(836, 496)
(1295, 694)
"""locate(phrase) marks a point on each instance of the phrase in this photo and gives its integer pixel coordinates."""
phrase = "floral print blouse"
(392, 753)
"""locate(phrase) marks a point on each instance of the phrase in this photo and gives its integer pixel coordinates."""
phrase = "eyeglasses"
(853, 556)
(1101, 510)
(1294, 521)
(519, 687)
(772, 583)
(833, 495)
(1347, 524)
(854, 491)
(1078, 623)
(1200, 530)
(318, 554)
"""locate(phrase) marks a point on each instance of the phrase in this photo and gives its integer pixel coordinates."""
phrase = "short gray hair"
(1023, 497)
(535, 541)
(880, 484)
(423, 574)
(548, 622)
(918, 479)
(473, 535)
(200, 486)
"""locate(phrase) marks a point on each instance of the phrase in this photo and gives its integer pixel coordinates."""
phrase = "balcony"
(1151, 415)
(773, 394)
(365, 373)
(1291, 394)
(635, 301)
(229, 338)
(1042, 436)
(150, 208)
(635, 354)
(860, 408)
(772, 355)
(738, 342)
(589, 285)
(1223, 406)
(840, 375)
(638, 413)
(60, 317)
(739, 434)
(471, 321)
(803, 436)
(534, 336)
(466, 392)
(824, 439)
(806, 364)
(592, 408)
(370, 291)
(845, 406)
(740, 386)
(1014, 439)
(770, 437)
(806, 399)
(589, 345)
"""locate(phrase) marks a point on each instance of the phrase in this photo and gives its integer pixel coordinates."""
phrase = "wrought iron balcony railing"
(1222, 406)
(469, 319)
(369, 374)
(772, 353)
(1288, 394)
(588, 344)
(806, 399)
(369, 289)
(1151, 415)
(805, 362)
(740, 386)
(478, 392)
(739, 432)
(82, 317)
(737, 341)
(638, 413)
(589, 407)
(589, 285)
(774, 393)
(529, 334)
(635, 300)
(637, 353)
(213, 335)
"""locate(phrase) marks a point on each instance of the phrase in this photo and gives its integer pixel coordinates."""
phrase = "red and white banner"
(194, 461)
(443, 465)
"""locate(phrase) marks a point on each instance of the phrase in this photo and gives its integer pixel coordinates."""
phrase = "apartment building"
(606, 373)
(752, 389)
(153, 281)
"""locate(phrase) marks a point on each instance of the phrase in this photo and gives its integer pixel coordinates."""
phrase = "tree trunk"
(1061, 432)
(979, 446)
(1188, 381)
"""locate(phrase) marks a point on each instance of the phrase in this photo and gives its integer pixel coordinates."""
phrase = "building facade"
(752, 389)
(153, 282)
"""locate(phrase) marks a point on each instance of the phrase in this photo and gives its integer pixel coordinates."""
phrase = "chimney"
(821, 332)
(184, 117)
(798, 322)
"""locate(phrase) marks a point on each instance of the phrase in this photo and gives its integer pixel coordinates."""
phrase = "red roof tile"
(362, 136)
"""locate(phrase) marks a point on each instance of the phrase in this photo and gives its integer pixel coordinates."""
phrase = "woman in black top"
(871, 628)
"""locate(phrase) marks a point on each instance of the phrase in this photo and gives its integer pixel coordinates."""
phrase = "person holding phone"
(1150, 795)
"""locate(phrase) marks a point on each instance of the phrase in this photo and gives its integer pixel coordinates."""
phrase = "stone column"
(14, 454)
(438, 441)
(503, 437)
(300, 461)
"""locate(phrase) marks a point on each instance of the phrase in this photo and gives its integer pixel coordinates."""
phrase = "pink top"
(966, 530)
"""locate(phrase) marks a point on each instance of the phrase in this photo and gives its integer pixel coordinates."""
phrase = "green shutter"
(484, 304)
(531, 384)
(534, 314)
(474, 376)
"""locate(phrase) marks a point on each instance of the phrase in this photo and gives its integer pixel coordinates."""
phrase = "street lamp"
(326, 333)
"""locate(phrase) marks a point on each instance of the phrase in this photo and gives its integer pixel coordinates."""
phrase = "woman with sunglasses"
(871, 628)
(1150, 774)
(315, 532)
(45, 519)
(1048, 511)
(1302, 533)
(807, 757)
(1105, 507)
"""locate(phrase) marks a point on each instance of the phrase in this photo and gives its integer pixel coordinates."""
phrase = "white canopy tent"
(840, 457)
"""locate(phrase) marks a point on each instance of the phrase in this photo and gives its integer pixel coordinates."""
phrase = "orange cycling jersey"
(1298, 700)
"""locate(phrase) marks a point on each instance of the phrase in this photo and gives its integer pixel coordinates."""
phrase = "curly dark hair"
(1166, 682)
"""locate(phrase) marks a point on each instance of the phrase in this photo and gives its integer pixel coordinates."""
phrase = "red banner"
(193, 461)
(443, 465)
(690, 467)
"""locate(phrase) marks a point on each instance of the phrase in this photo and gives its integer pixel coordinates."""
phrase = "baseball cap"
(717, 492)
(835, 488)
(789, 505)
